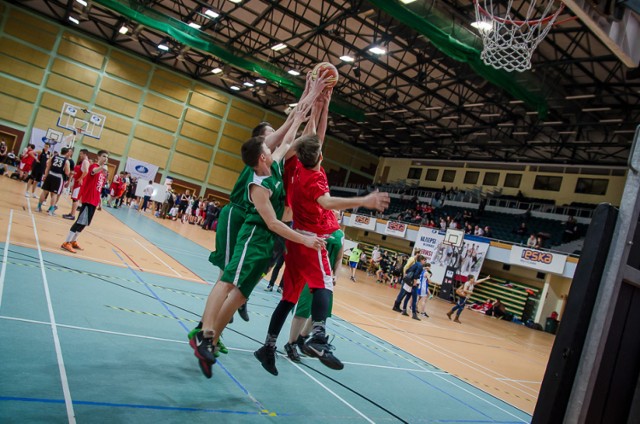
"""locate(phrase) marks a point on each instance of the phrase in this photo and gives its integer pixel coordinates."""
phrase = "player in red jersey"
(80, 171)
(27, 158)
(90, 198)
(308, 195)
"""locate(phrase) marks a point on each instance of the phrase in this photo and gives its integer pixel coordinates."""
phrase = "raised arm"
(376, 200)
(324, 100)
(285, 149)
(260, 198)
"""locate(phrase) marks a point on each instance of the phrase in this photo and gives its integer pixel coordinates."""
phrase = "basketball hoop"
(508, 42)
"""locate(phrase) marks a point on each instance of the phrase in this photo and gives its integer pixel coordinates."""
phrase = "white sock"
(70, 236)
(75, 237)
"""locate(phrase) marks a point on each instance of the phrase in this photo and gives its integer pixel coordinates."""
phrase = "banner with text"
(141, 170)
(538, 259)
(467, 260)
(363, 221)
(396, 229)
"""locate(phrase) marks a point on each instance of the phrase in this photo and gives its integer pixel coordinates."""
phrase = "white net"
(512, 30)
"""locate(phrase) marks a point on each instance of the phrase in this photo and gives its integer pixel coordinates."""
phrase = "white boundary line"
(4, 256)
(156, 256)
(54, 330)
(333, 393)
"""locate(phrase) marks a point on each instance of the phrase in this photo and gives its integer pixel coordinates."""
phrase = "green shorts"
(250, 258)
(230, 221)
(334, 244)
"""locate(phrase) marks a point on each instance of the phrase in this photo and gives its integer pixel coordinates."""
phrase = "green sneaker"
(193, 333)
(222, 348)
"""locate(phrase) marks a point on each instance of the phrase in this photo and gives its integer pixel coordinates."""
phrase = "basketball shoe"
(267, 357)
(318, 346)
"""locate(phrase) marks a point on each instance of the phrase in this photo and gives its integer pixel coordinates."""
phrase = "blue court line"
(235, 380)
(136, 406)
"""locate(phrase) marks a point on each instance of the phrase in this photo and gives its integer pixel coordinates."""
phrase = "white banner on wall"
(396, 229)
(363, 221)
(141, 170)
(538, 259)
(468, 260)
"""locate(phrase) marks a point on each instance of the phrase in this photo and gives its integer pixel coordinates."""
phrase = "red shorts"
(75, 194)
(25, 166)
(305, 265)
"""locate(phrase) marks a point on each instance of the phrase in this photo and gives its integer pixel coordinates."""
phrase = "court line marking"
(521, 381)
(235, 349)
(4, 256)
(107, 262)
(158, 258)
(56, 341)
(452, 355)
(333, 393)
(401, 333)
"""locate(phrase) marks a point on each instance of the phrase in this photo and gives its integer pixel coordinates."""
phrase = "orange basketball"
(323, 68)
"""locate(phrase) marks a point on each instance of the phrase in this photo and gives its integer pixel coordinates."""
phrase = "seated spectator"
(539, 243)
(468, 229)
(478, 231)
(488, 232)
(499, 310)
(522, 230)
(532, 241)
(570, 230)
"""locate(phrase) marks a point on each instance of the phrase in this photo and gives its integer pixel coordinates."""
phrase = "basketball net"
(510, 36)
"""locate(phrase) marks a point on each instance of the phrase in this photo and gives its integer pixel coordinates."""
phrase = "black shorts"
(36, 175)
(84, 218)
(53, 183)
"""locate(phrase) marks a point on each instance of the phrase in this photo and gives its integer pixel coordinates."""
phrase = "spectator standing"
(147, 193)
(464, 293)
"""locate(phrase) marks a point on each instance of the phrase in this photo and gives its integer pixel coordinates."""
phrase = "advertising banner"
(467, 260)
(363, 221)
(396, 229)
(538, 259)
(141, 170)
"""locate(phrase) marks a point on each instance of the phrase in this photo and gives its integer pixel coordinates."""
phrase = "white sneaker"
(26, 194)
(35, 196)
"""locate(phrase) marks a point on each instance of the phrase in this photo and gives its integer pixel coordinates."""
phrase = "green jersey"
(239, 195)
(355, 255)
(275, 185)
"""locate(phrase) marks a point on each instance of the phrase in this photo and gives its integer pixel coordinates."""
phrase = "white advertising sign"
(363, 221)
(396, 229)
(538, 259)
(141, 170)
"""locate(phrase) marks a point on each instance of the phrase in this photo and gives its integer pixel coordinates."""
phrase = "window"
(513, 180)
(547, 183)
(414, 174)
(595, 186)
(432, 175)
(471, 177)
(448, 176)
(491, 179)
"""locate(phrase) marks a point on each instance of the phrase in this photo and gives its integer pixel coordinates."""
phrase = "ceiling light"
(532, 112)
(247, 84)
(261, 81)
(74, 20)
(339, 124)
(520, 133)
(552, 122)
(401, 128)
(516, 102)
(195, 25)
(460, 142)
(123, 30)
(581, 96)
(163, 47)
(610, 121)
(465, 126)
(431, 127)
(346, 58)
(482, 26)
(489, 115)
(82, 2)
(235, 88)
(479, 133)
(236, 1)
(596, 109)
(210, 13)
(418, 119)
(216, 70)
(473, 105)
(293, 104)
(278, 47)
(407, 1)
(435, 152)
(377, 50)
(398, 111)
(566, 132)
(293, 72)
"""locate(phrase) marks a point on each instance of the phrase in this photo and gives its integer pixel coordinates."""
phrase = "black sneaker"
(242, 311)
(292, 352)
(318, 346)
(269, 288)
(205, 367)
(203, 347)
(404, 312)
(267, 357)
(300, 341)
(395, 308)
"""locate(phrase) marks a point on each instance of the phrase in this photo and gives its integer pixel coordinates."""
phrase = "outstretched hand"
(314, 242)
(377, 200)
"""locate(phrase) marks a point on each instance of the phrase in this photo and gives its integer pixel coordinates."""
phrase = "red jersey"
(304, 187)
(92, 186)
(77, 174)
(27, 158)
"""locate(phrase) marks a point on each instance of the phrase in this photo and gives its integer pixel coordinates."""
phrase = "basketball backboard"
(621, 36)
(454, 237)
(81, 120)
(54, 136)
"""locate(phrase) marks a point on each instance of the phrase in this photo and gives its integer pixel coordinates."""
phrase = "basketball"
(324, 67)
